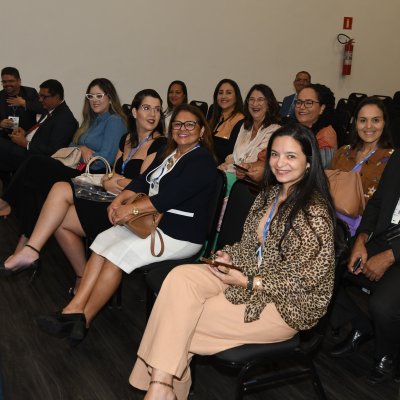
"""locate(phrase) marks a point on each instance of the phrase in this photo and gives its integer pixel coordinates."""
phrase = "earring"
(200, 138)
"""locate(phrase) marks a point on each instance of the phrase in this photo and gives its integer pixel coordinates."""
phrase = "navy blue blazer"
(184, 194)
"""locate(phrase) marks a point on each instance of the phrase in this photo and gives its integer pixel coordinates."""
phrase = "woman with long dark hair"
(286, 256)
(70, 218)
(226, 117)
(369, 150)
(176, 95)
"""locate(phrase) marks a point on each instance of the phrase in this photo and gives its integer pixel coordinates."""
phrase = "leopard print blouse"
(299, 280)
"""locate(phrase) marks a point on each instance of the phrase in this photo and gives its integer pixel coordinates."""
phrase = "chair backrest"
(346, 104)
(126, 108)
(396, 98)
(341, 122)
(357, 97)
(200, 104)
(240, 200)
(210, 112)
(215, 209)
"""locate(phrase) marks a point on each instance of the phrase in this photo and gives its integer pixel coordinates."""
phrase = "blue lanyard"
(356, 167)
(259, 251)
(134, 151)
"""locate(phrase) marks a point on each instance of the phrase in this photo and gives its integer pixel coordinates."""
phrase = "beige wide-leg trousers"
(192, 316)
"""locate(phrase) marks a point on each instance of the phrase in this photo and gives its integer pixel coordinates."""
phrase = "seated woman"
(286, 256)
(103, 125)
(369, 151)
(180, 183)
(377, 247)
(261, 111)
(227, 114)
(177, 95)
(71, 218)
(314, 109)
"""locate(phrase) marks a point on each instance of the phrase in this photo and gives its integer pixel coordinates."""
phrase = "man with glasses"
(53, 131)
(19, 105)
(303, 79)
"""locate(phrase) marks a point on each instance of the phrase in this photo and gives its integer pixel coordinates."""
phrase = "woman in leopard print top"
(283, 287)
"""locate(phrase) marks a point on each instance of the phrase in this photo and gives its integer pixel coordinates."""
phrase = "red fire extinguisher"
(348, 53)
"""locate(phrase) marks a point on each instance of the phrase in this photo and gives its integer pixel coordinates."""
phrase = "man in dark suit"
(53, 131)
(303, 79)
(378, 246)
(18, 102)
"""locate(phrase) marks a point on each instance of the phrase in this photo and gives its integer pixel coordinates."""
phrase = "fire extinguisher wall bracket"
(348, 52)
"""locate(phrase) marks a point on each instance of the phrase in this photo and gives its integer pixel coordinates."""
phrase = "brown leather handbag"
(347, 191)
(145, 224)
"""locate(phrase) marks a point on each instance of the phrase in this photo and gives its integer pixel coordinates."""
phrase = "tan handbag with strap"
(145, 224)
(347, 191)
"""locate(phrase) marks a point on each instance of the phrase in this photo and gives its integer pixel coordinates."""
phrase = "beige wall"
(140, 44)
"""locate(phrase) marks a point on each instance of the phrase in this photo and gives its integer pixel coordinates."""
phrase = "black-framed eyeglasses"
(45, 96)
(306, 103)
(97, 96)
(189, 125)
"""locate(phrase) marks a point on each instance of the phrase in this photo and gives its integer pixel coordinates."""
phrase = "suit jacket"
(286, 104)
(378, 213)
(27, 116)
(55, 132)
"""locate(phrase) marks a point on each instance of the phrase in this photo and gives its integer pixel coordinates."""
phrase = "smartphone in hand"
(357, 265)
(215, 263)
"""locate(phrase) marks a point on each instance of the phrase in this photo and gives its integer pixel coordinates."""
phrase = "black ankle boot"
(350, 345)
(383, 370)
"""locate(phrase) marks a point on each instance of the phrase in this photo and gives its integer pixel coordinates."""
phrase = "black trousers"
(11, 155)
(30, 186)
(383, 310)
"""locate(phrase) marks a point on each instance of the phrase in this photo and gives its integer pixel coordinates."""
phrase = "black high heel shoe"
(72, 326)
(71, 290)
(34, 266)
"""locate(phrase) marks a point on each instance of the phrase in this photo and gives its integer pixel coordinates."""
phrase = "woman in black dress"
(71, 218)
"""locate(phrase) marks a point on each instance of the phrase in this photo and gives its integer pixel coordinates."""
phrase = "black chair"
(396, 98)
(341, 122)
(210, 112)
(154, 274)
(395, 128)
(241, 198)
(346, 104)
(357, 97)
(297, 353)
(200, 104)
(127, 109)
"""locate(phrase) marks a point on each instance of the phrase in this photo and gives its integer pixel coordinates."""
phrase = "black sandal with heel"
(71, 290)
(33, 266)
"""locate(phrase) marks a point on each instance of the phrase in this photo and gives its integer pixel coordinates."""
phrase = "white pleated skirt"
(128, 251)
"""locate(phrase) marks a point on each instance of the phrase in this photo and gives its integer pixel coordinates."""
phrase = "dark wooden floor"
(35, 366)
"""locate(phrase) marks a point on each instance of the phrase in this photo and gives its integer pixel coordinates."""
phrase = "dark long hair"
(136, 103)
(207, 141)
(184, 90)
(314, 181)
(217, 110)
(271, 116)
(385, 141)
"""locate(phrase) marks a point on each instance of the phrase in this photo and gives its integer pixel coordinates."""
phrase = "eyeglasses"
(147, 108)
(306, 103)
(189, 125)
(45, 96)
(260, 100)
(97, 96)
